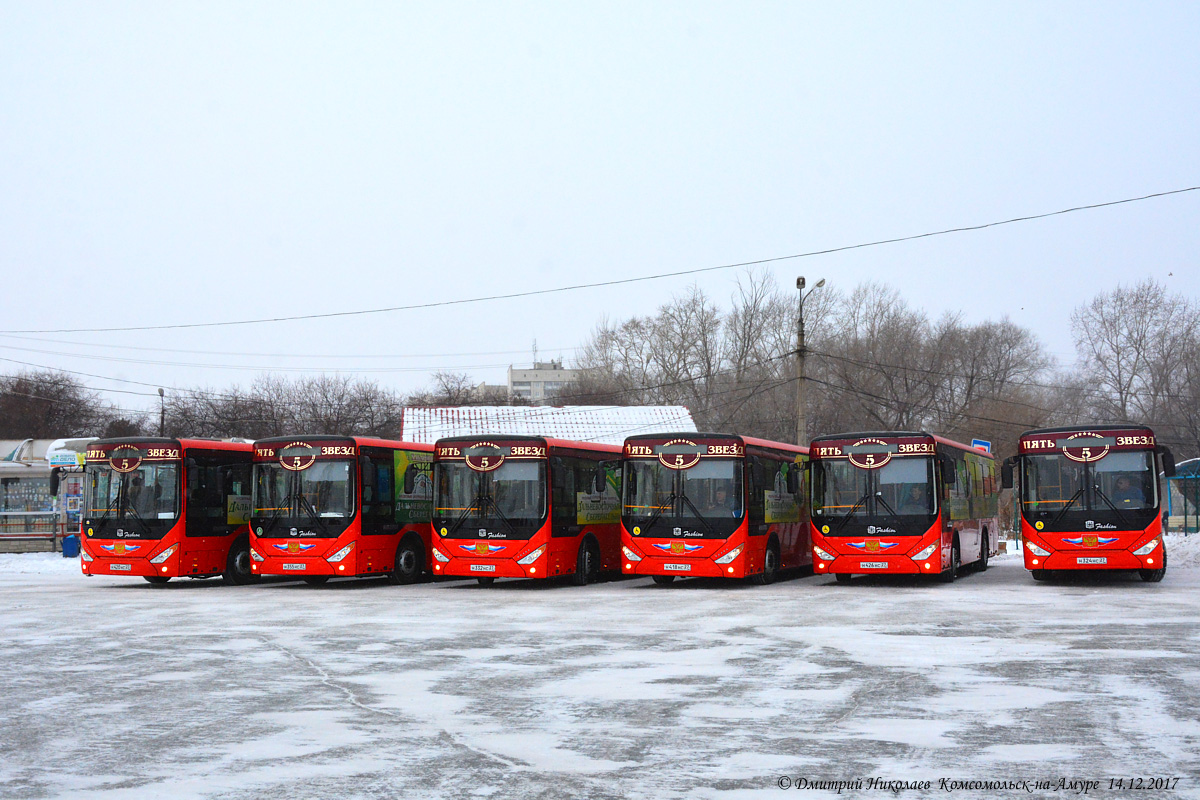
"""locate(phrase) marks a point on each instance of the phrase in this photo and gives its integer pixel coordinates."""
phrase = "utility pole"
(162, 412)
(801, 352)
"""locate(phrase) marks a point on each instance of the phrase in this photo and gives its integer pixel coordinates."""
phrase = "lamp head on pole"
(820, 283)
(800, 282)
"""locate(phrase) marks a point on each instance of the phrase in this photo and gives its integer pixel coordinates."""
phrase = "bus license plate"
(120, 567)
(1091, 560)
(295, 567)
(872, 565)
(483, 568)
(677, 567)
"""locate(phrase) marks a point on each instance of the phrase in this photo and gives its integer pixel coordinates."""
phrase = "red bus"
(525, 507)
(1090, 499)
(901, 502)
(167, 508)
(713, 505)
(346, 506)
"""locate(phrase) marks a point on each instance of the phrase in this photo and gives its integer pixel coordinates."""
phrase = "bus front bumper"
(1094, 559)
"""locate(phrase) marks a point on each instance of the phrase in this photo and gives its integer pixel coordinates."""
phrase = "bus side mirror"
(600, 480)
(631, 483)
(410, 478)
(364, 464)
(1168, 461)
(54, 482)
(793, 481)
(949, 475)
(1006, 474)
(193, 474)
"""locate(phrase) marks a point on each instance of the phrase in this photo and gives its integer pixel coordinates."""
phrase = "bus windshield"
(1121, 481)
(702, 501)
(900, 491)
(319, 499)
(509, 501)
(143, 498)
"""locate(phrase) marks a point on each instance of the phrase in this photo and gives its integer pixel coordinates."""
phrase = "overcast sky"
(170, 163)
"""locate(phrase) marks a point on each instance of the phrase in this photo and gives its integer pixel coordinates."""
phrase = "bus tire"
(770, 568)
(842, 577)
(983, 552)
(1155, 575)
(237, 565)
(587, 564)
(486, 581)
(157, 580)
(409, 563)
(316, 580)
(664, 580)
(955, 562)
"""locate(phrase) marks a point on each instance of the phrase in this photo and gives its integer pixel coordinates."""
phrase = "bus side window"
(757, 487)
(563, 485)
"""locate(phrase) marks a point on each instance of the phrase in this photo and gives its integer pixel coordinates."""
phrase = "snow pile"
(42, 564)
(1183, 549)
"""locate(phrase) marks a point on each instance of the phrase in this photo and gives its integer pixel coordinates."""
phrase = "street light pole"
(162, 412)
(801, 352)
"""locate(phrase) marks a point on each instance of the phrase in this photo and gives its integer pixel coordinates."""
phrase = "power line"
(619, 282)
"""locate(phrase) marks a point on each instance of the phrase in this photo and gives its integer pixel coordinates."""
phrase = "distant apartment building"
(535, 385)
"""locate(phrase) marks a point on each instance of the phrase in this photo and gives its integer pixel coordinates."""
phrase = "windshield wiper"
(699, 516)
(1065, 508)
(1111, 505)
(658, 511)
(899, 519)
(463, 516)
(311, 510)
(861, 501)
(491, 501)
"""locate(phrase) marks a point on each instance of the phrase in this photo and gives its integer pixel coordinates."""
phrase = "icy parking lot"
(116, 689)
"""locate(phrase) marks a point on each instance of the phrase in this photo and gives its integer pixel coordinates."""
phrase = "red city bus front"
(524, 507)
(712, 505)
(1090, 500)
(167, 508)
(901, 503)
(341, 507)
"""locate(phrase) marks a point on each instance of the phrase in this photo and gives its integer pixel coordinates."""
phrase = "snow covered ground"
(116, 689)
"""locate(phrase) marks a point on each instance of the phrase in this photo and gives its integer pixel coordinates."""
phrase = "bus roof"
(748, 441)
(544, 440)
(359, 441)
(1086, 428)
(900, 435)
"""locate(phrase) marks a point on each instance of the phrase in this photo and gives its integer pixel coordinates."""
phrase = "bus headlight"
(438, 555)
(83, 553)
(731, 555)
(1147, 548)
(822, 554)
(629, 554)
(1037, 551)
(925, 552)
(340, 554)
(255, 556)
(532, 557)
(165, 554)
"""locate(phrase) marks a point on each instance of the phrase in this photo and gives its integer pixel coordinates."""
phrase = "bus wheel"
(983, 553)
(237, 566)
(770, 565)
(316, 580)
(1155, 575)
(664, 580)
(843, 577)
(157, 580)
(486, 581)
(410, 558)
(587, 564)
(955, 562)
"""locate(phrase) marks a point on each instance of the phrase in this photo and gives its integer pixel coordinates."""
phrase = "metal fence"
(1183, 503)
